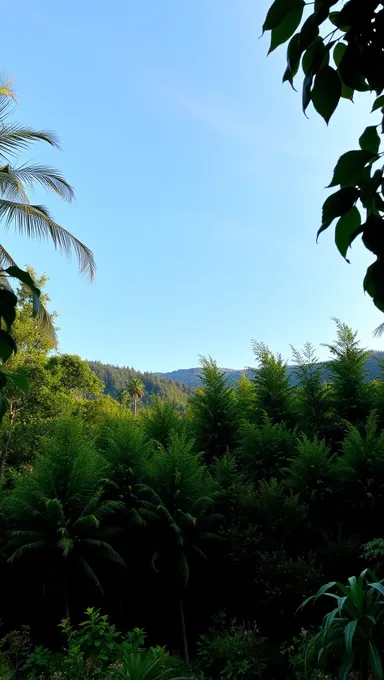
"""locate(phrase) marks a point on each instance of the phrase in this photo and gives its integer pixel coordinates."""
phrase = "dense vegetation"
(116, 380)
(205, 527)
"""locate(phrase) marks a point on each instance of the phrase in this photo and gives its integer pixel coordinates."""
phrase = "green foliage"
(74, 376)
(360, 470)
(245, 398)
(213, 412)
(57, 510)
(311, 472)
(116, 380)
(355, 45)
(350, 638)
(234, 653)
(347, 373)
(312, 395)
(177, 498)
(273, 390)
(161, 421)
(265, 449)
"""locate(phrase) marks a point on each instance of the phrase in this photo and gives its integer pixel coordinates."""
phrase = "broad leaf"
(19, 379)
(307, 84)
(26, 278)
(370, 140)
(349, 632)
(7, 345)
(349, 167)
(326, 92)
(347, 228)
(309, 32)
(338, 53)
(378, 103)
(337, 205)
(278, 11)
(8, 302)
(284, 31)
(294, 53)
(375, 661)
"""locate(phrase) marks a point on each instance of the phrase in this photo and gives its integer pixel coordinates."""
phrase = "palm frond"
(10, 185)
(66, 544)
(24, 548)
(15, 137)
(378, 332)
(90, 573)
(104, 550)
(36, 222)
(13, 181)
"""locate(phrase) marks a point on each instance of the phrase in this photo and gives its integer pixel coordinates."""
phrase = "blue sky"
(199, 182)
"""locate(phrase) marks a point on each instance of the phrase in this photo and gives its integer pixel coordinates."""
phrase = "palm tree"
(136, 391)
(15, 180)
(378, 332)
(58, 509)
(177, 500)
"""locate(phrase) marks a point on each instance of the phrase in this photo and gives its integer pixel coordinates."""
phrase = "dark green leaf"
(294, 53)
(309, 32)
(347, 229)
(284, 31)
(326, 92)
(3, 406)
(375, 661)
(378, 103)
(347, 92)
(278, 11)
(19, 379)
(8, 302)
(26, 278)
(7, 345)
(307, 84)
(3, 380)
(349, 632)
(349, 167)
(370, 140)
(315, 58)
(336, 205)
(368, 283)
(373, 239)
(334, 18)
(338, 53)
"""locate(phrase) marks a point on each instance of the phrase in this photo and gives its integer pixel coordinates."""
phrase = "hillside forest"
(194, 530)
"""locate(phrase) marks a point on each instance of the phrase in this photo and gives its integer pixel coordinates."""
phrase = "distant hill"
(116, 379)
(190, 376)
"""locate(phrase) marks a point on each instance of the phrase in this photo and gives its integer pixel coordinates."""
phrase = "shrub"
(234, 653)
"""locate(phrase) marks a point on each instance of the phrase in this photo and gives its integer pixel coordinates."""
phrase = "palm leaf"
(36, 222)
(90, 573)
(13, 180)
(105, 550)
(15, 137)
(24, 548)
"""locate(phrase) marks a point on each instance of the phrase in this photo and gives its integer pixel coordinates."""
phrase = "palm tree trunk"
(184, 632)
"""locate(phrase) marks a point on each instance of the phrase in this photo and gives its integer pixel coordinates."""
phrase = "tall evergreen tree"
(347, 371)
(273, 389)
(313, 395)
(213, 412)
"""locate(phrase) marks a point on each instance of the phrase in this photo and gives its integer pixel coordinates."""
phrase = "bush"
(234, 653)
(265, 449)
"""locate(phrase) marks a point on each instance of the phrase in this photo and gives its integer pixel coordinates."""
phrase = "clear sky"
(199, 182)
